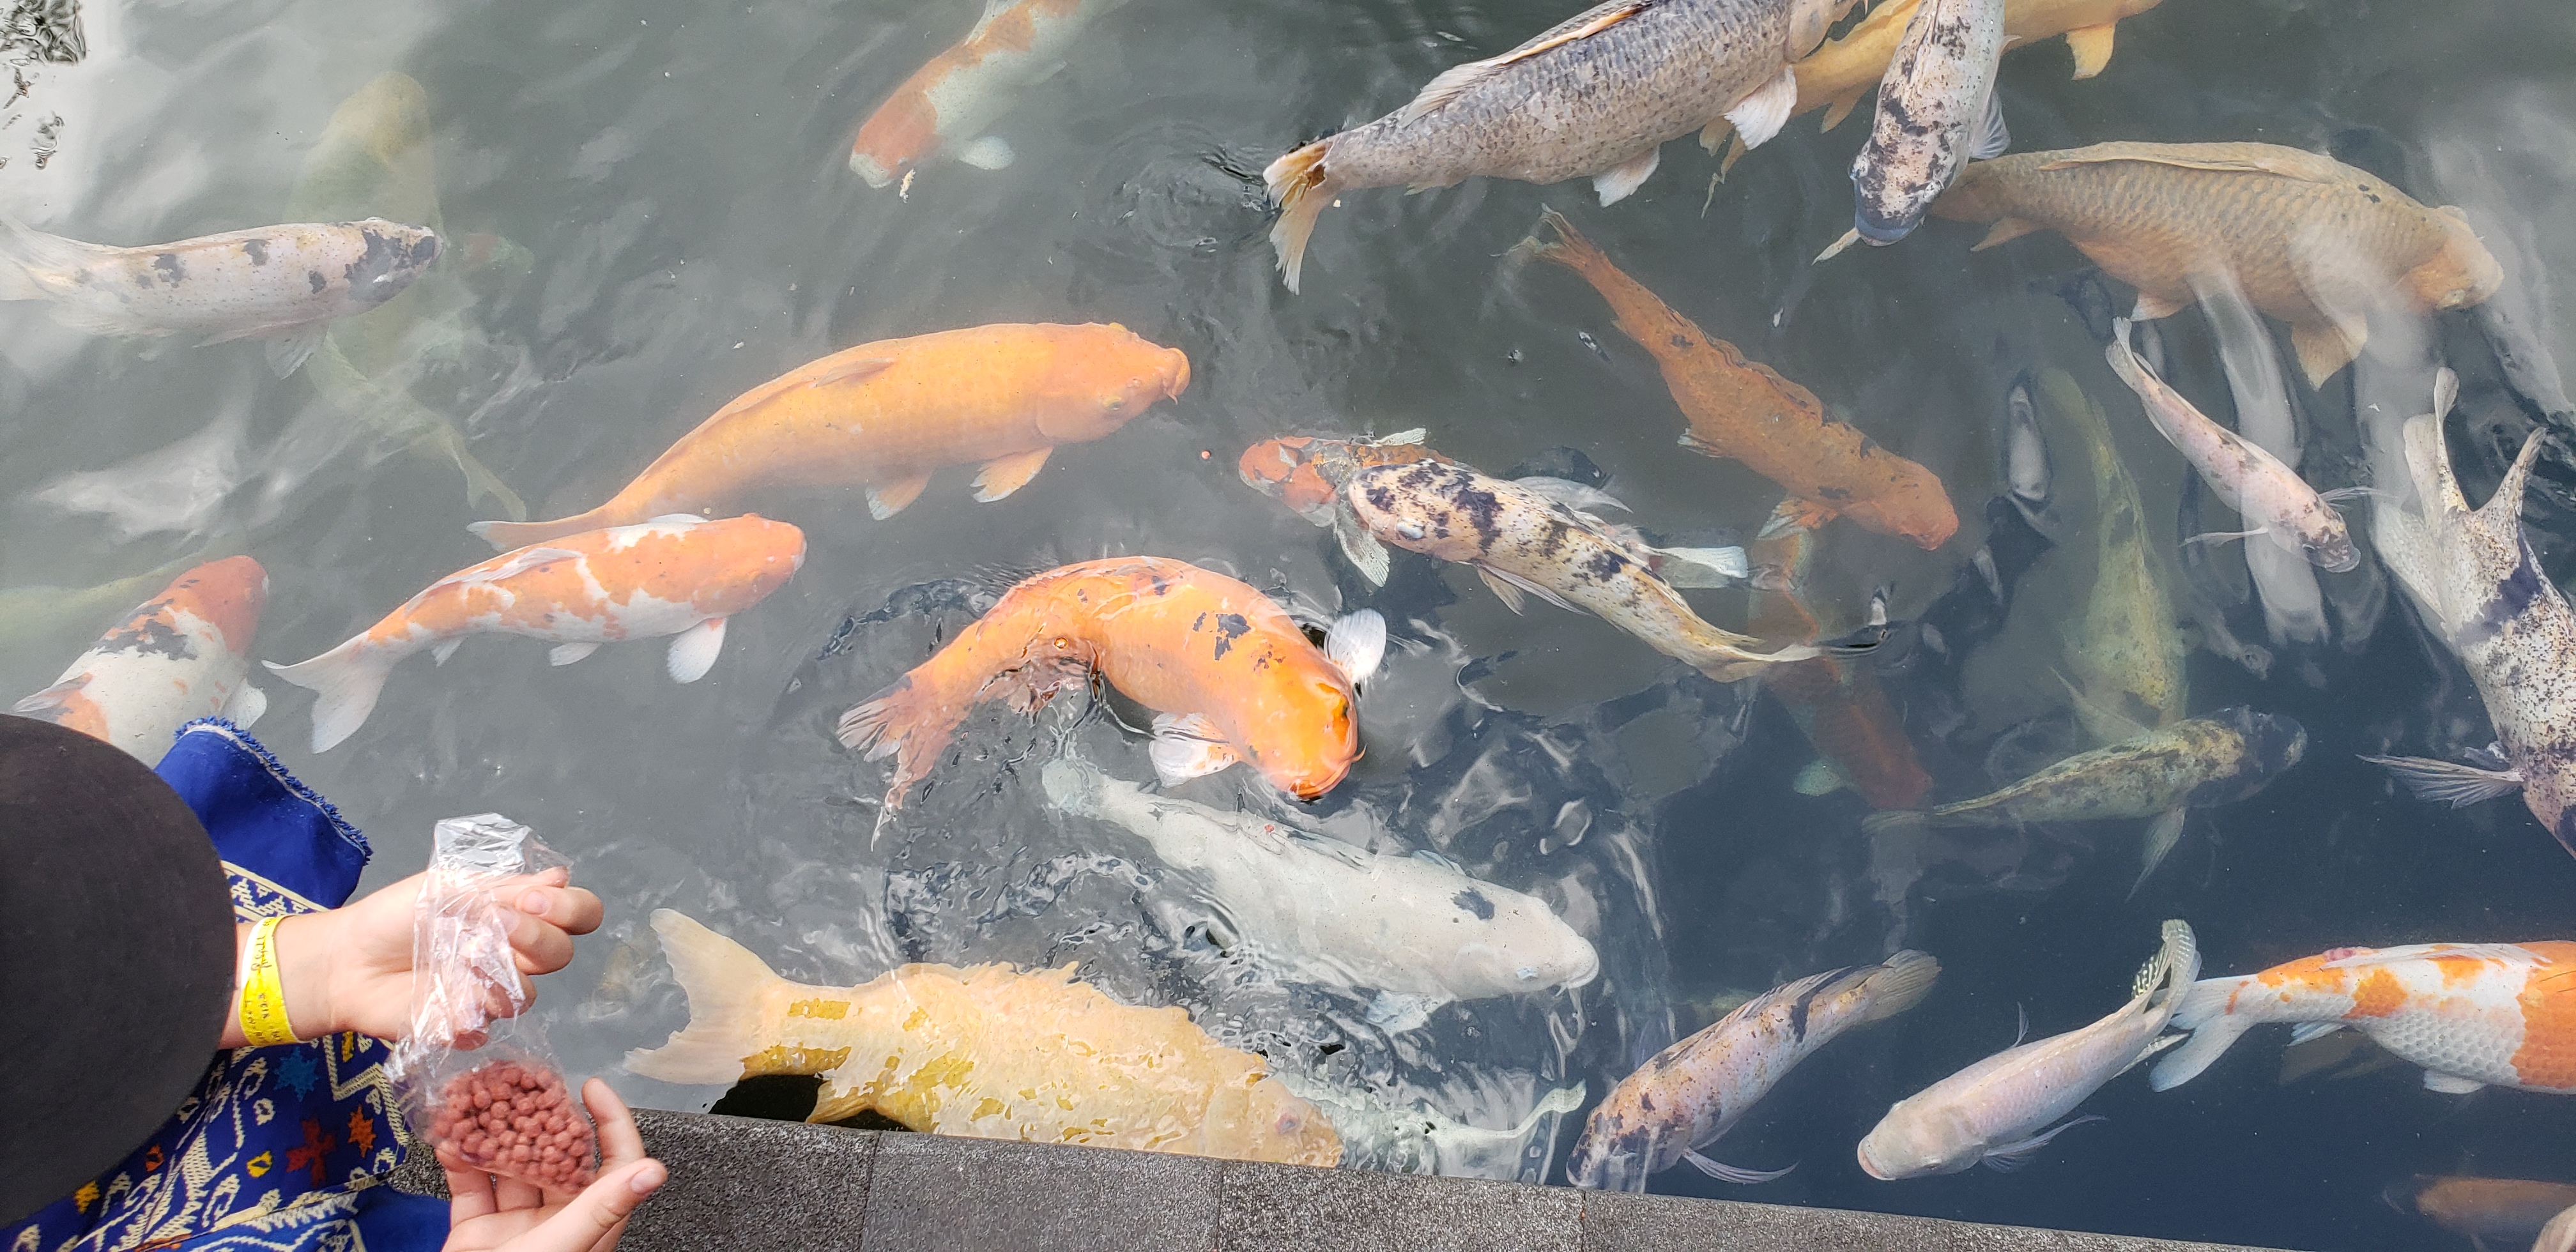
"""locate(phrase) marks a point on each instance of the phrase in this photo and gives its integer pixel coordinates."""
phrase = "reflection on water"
(648, 209)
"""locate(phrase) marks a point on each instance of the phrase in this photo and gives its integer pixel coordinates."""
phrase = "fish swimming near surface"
(2472, 1014)
(2201, 762)
(2480, 1209)
(1693, 1092)
(183, 655)
(947, 104)
(681, 576)
(30, 612)
(1595, 96)
(1418, 1139)
(1992, 1112)
(2559, 1235)
(2124, 651)
(2275, 502)
(1416, 930)
(1520, 542)
(1227, 671)
(985, 1051)
(1937, 111)
(1840, 704)
(283, 284)
(1745, 411)
(886, 414)
(2310, 240)
(2481, 590)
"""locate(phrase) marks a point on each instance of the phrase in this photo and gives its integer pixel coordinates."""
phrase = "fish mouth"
(869, 170)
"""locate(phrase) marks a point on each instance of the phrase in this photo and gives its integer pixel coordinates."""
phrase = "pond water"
(649, 211)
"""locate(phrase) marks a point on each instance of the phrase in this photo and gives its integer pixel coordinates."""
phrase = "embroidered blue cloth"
(279, 1149)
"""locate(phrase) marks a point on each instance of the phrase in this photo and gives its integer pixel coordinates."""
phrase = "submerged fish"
(2481, 590)
(2484, 1208)
(2275, 502)
(680, 575)
(1595, 96)
(946, 104)
(2124, 653)
(1418, 931)
(1418, 1139)
(1839, 703)
(888, 413)
(985, 1051)
(1937, 111)
(31, 612)
(2472, 1014)
(1691, 1093)
(1520, 541)
(279, 283)
(2313, 242)
(181, 656)
(2559, 1235)
(1747, 412)
(1992, 1112)
(1228, 672)
(2199, 763)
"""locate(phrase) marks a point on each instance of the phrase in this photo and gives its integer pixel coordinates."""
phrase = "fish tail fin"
(481, 482)
(345, 681)
(910, 721)
(1570, 248)
(1899, 983)
(729, 994)
(2213, 1029)
(509, 535)
(1302, 188)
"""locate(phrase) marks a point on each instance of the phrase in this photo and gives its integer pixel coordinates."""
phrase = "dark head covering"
(116, 958)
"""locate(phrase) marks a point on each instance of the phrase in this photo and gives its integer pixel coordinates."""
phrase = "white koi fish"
(946, 104)
(181, 656)
(1937, 111)
(1419, 1139)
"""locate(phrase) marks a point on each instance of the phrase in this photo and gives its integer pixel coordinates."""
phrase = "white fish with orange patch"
(679, 575)
(2472, 1014)
(181, 656)
(946, 104)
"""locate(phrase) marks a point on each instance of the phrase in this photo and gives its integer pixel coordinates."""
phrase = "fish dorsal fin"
(1454, 81)
(2501, 515)
(2230, 158)
(2505, 952)
(851, 371)
(510, 566)
(993, 10)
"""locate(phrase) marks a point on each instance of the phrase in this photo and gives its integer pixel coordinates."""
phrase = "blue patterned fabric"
(280, 1149)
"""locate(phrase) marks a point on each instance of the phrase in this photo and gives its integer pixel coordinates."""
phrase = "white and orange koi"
(2472, 1014)
(181, 656)
(947, 103)
(678, 575)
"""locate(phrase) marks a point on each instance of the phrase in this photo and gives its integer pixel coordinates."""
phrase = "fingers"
(513, 1194)
(470, 1190)
(592, 1220)
(542, 922)
(619, 1141)
(569, 909)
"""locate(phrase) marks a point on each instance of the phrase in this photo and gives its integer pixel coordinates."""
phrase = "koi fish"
(888, 413)
(1418, 1139)
(2559, 1235)
(1418, 931)
(283, 284)
(986, 1051)
(1228, 671)
(2312, 241)
(1937, 111)
(1595, 96)
(2472, 1014)
(183, 655)
(2483, 1208)
(2480, 589)
(2199, 763)
(947, 103)
(1520, 541)
(2277, 503)
(1840, 705)
(1693, 1092)
(680, 575)
(1991, 1112)
(2124, 654)
(1747, 412)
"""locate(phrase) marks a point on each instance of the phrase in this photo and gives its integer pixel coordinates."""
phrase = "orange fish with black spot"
(885, 415)
(2472, 1014)
(1745, 411)
(946, 104)
(182, 655)
(1229, 674)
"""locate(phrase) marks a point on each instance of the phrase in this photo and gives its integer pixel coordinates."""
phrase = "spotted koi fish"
(2472, 1014)
(283, 284)
(1228, 673)
(1307, 474)
(181, 656)
(680, 575)
(946, 104)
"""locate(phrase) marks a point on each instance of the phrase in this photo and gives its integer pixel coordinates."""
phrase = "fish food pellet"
(505, 1118)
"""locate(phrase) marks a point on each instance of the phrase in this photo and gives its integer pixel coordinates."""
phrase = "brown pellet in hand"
(506, 1118)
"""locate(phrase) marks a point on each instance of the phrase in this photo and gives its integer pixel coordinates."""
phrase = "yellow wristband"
(263, 1001)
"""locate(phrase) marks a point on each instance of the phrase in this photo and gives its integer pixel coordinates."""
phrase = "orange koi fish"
(179, 657)
(2472, 1014)
(1229, 673)
(680, 575)
(1846, 714)
(2514, 1209)
(947, 103)
(1747, 412)
(888, 413)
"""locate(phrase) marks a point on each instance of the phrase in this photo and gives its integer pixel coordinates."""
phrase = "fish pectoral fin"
(2227, 536)
(1187, 747)
(2307, 1031)
(1691, 440)
(987, 152)
(445, 649)
(1837, 247)
(2325, 348)
(1573, 495)
(567, 653)
(289, 349)
(1803, 514)
(2151, 307)
(2448, 782)
(693, 651)
(1396, 1012)
(887, 499)
(2162, 834)
(1821, 777)
(1702, 567)
(1455, 80)
(1356, 643)
(510, 566)
(2449, 1084)
(2095, 713)
(1503, 591)
(1005, 474)
(1839, 108)
(1992, 137)
(2005, 230)
(245, 705)
(1713, 136)
(851, 371)
(1729, 1173)
(1620, 181)
(1359, 547)
(1760, 116)
(2013, 1156)
(2092, 48)
(1517, 581)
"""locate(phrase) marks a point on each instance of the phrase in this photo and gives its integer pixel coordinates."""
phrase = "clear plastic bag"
(475, 1075)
